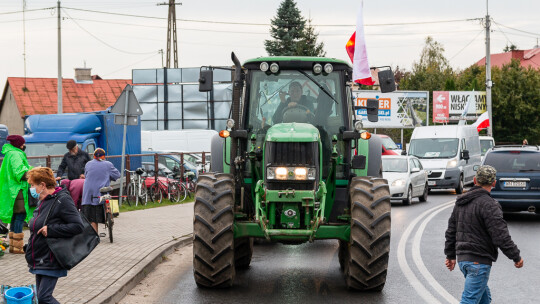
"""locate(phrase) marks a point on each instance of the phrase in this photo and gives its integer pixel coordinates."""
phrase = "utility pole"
(489, 83)
(59, 90)
(171, 33)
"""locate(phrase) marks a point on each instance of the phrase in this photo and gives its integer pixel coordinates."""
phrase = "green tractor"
(293, 166)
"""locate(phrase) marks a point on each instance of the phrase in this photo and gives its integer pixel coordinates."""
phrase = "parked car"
(449, 154)
(389, 146)
(406, 177)
(518, 177)
(171, 162)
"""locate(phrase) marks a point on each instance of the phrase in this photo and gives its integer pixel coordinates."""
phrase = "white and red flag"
(482, 122)
(356, 48)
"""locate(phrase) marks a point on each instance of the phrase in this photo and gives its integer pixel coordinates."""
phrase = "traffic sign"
(133, 108)
(132, 120)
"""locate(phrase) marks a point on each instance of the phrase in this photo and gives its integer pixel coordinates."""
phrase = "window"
(90, 149)
(513, 161)
(418, 164)
(434, 147)
(394, 164)
(412, 165)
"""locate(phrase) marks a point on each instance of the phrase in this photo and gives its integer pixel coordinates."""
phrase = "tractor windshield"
(296, 96)
(291, 96)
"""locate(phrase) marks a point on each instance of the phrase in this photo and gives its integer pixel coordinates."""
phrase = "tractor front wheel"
(213, 237)
(366, 258)
(243, 251)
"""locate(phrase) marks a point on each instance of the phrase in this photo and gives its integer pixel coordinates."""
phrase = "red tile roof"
(528, 58)
(41, 98)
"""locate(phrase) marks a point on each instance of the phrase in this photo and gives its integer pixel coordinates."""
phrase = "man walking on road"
(476, 229)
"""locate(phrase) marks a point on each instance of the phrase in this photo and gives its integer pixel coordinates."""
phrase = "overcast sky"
(107, 42)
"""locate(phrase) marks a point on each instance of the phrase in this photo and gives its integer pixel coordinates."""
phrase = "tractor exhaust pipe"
(532, 209)
(235, 107)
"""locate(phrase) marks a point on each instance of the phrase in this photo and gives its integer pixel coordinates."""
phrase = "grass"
(126, 208)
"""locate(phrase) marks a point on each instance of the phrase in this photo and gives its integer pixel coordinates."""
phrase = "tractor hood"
(293, 132)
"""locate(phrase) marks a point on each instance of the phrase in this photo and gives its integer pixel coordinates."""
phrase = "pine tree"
(290, 36)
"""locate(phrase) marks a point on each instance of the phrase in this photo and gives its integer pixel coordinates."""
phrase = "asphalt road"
(310, 272)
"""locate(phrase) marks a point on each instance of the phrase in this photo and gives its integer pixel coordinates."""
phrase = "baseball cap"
(485, 175)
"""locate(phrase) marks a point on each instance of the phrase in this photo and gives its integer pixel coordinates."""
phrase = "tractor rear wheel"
(243, 250)
(366, 259)
(213, 237)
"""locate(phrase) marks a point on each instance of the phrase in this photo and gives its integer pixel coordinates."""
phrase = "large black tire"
(213, 237)
(374, 161)
(459, 189)
(368, 251)
(217, 146)
(243, 251)
(342, 253)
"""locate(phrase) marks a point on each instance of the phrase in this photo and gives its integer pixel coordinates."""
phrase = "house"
(29, 96)
(528, 58)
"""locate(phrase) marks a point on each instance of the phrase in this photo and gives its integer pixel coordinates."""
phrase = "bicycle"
(109, 219)
(174, 190)
(136, 190)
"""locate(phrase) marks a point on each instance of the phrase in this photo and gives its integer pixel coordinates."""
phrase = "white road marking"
(402, 259)
(418, 258)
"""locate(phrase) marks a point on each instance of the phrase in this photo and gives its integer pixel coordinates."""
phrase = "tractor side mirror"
(387, 81)
(206, 81)
(372, 106)
(359, 162)
(465, 154)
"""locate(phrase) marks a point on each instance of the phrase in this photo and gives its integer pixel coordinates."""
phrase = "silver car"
(406, 177)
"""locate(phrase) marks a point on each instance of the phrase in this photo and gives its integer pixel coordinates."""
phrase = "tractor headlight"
(274, 68)
(291, 173)
(264, 66)
(281, 173)
(328, 68)
(398, 183)
(317, 68)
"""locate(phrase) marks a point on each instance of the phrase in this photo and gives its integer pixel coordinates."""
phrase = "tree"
(509, 48)
(290, 36)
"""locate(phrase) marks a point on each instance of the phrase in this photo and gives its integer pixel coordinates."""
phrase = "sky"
(112, 45)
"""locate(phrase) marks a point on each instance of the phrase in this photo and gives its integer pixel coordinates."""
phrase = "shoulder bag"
(72, 250)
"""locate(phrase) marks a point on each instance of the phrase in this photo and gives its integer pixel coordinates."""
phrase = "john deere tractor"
(292, 166)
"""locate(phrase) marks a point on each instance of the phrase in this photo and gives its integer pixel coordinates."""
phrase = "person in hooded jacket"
(14, 206)
(476, 230)
(63, 221)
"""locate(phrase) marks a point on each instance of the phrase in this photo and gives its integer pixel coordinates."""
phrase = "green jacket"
(14, 166)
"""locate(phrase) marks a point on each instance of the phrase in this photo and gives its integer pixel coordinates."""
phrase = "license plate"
(515, 184)
(432, 183)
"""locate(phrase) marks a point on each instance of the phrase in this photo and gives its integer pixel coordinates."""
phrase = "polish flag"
(356, 48)
(482, 122)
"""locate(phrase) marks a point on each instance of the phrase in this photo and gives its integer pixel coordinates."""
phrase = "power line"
(20, 20)
(26, 11)
(481, 31)
(130, 65)
(518, 30)
(507, 40)
(268, 24)
(105, 43)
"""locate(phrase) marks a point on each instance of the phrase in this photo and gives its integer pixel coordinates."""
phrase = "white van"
(449, 154)
(486, 143)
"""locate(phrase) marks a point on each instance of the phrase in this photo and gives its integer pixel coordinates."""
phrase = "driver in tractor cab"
(295, 98)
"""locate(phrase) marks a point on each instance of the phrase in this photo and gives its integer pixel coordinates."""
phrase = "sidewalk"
(140, 239)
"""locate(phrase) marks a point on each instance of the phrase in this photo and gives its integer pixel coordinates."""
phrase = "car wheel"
(408, 200)
(424, 196)
(459, 189)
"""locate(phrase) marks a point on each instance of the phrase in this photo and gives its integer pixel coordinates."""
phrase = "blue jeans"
(17, 221)
(476, 278)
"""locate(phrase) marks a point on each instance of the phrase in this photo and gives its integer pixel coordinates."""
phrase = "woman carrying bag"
(55, 217)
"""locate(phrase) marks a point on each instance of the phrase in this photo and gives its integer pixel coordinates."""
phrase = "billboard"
(450, 105)
(399, 109)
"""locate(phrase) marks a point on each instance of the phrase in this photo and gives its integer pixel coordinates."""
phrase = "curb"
(118, 289)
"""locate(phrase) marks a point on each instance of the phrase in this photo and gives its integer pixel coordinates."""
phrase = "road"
(416, 273)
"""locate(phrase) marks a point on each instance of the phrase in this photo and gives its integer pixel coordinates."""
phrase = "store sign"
(399, 109)
(451, 105)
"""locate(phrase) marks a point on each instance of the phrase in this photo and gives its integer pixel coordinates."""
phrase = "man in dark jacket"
(74, 161)
(476, 229)
(295, 99)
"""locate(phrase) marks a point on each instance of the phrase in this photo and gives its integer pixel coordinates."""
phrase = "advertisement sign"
(399, 109)
(451, 105)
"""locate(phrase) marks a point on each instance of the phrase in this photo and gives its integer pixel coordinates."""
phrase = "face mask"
(24, 148)
(34, 193)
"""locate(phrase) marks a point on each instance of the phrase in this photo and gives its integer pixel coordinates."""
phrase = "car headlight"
(451, 163)
(398, 183)
(291, 173)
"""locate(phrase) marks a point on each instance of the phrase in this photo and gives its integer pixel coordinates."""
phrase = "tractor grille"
(292, 154)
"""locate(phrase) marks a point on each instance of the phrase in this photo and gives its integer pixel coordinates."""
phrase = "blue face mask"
(34, 193)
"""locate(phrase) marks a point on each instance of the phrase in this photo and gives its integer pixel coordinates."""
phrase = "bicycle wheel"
(130, 194)
(177, 193)
(110, 226)
(155, 193)
(183, 192)
(143, 194)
